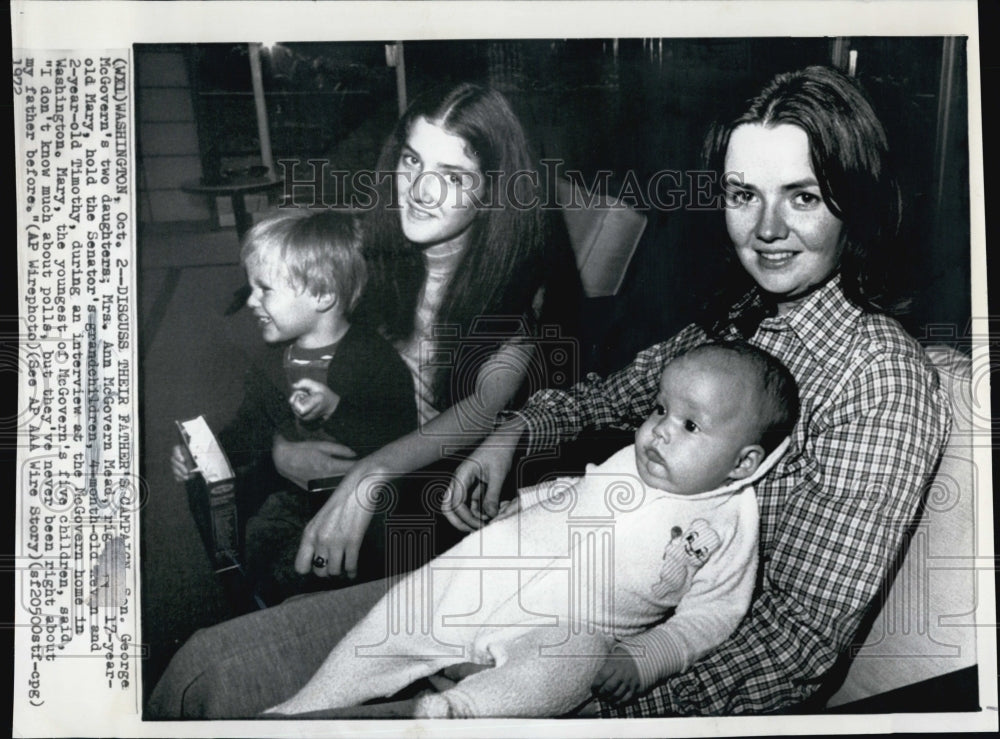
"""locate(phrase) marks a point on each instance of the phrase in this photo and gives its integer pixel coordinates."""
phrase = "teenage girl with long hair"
(465, 268)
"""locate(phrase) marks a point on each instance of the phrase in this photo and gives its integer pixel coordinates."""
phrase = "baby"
(565, 593)
(321, 378)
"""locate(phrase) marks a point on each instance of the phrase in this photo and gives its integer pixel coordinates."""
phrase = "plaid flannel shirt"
(834, 511)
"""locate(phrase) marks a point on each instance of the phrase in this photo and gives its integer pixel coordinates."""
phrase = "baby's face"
(699, 427)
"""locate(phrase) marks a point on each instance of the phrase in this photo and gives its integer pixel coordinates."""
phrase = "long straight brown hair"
(502, 265)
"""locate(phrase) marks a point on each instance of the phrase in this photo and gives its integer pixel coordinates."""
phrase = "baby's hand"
(312, 400)
(618, 679)
(179, 465)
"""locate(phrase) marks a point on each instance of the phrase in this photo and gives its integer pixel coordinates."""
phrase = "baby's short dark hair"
(320, 251)
(779, 396)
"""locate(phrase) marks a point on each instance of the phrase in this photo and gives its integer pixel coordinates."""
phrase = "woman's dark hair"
(850, 158)
(502, 266)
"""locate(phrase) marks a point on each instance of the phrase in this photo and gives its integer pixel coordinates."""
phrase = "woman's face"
(437, 180)
(783, 232)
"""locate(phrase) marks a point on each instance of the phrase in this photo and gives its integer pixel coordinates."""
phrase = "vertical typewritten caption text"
(76, 574)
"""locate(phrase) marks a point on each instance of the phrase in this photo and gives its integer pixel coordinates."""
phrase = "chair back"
(604, 233)
(926, 624)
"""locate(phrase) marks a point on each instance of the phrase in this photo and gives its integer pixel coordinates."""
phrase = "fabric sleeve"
(548, 491)
(710, 611)
(262, 412)
(377, 403)
(622, 399)
(859, 484)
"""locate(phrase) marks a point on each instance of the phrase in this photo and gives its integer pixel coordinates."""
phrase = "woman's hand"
(473, 497)
(508, 508)
(332, 540)
(302, 461)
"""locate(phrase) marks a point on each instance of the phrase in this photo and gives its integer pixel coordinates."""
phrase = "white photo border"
(114, 24)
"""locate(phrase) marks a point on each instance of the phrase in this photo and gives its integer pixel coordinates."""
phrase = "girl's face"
(784, 234)
(437, 179)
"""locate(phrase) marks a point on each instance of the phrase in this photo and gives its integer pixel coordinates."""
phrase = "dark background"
(635, 109)
(640, 110)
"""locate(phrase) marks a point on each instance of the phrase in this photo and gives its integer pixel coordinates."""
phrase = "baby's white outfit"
(542, 595)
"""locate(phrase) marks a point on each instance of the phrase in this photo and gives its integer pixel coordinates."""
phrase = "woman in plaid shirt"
(810, 209)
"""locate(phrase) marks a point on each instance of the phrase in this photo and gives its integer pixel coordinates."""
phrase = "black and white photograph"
(419, 331)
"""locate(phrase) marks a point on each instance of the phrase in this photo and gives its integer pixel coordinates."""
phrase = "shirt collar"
(297, 354)
(442, 258)
(825, 322)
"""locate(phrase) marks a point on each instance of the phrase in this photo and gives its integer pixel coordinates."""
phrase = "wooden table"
(235, 188)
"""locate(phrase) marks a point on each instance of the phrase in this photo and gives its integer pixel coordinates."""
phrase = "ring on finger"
(319, 562)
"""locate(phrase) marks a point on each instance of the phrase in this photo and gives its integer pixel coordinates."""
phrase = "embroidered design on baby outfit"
(686, 553)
